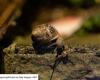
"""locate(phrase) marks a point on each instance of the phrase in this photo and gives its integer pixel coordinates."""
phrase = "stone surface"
(85, 66)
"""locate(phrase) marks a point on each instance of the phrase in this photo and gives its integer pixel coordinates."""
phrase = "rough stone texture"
(85, 62)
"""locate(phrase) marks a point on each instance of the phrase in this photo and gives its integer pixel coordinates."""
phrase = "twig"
(57, 61)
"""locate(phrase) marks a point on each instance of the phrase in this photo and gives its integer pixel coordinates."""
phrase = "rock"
(97, 54)
(80, 50)
(95, 60)
(29, 49)
(93, 78)
(67, 78)
(79, 74)
(24, 49)
(26, 61)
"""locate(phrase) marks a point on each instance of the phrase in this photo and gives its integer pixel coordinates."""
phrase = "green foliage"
(88, 24)
(82, 3)
(76, 2)
(96, 20)
(92, 25)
